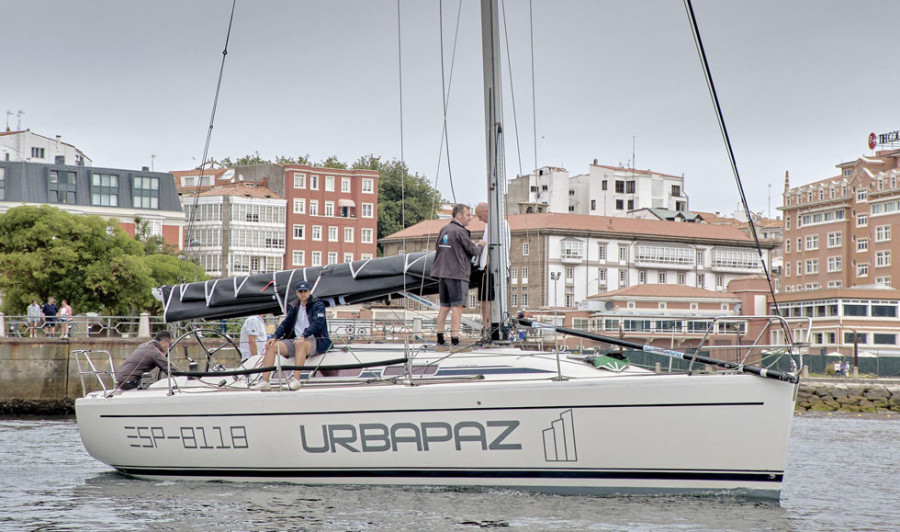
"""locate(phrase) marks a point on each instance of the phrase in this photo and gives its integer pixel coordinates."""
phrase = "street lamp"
(554, 276)
(195, 247)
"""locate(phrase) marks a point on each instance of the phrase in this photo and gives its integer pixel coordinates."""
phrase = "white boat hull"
(642, 433)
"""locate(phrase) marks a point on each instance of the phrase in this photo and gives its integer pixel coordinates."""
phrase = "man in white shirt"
(253, 337)
(482, 278)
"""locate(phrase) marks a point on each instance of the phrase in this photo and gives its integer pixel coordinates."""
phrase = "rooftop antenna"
(8, 114)
(769, 207)
(152, 158)
(19, 121)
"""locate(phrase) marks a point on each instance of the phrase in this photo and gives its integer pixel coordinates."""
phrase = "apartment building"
(26, 146)
(130, 196)
(332, 215)
(603, 190)
(236, 229)
(559, 260)
(838, 231)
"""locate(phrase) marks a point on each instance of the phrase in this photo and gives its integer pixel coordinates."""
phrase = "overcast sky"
(801, 83)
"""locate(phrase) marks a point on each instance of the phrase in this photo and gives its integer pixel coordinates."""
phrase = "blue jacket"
(318, 327)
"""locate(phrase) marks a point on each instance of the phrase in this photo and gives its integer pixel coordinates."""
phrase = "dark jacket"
(318, 326)
(147, 356)
(454, 250)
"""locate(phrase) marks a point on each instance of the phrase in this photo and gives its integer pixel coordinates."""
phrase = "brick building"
(332, 215)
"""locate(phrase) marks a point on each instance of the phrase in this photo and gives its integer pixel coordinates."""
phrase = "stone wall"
(848, 397)
(40, 375)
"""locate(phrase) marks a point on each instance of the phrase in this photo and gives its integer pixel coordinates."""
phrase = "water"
(842, 474)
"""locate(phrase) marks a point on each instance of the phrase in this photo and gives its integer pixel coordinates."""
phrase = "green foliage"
(300, 159)
(394, 186)
(87, 260)
(333, 162)
(251, 158)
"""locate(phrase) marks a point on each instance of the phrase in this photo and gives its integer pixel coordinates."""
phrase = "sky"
(132, 83)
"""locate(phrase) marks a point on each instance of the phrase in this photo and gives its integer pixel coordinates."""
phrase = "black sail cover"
(336, 284)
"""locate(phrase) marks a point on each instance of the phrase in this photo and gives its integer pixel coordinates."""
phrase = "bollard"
(855, 372)
(657, 368)
(804, 373)
(2, 325)
(143, 326)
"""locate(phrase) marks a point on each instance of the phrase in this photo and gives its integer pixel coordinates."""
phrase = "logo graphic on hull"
(559, 439)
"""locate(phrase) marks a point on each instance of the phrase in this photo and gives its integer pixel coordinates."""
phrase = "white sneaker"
(261, 385)
(293, 384)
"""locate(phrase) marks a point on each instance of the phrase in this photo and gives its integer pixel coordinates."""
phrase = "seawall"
(856, 396)
(39, 376)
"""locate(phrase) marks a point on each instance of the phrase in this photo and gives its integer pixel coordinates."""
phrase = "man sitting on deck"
(303, 333)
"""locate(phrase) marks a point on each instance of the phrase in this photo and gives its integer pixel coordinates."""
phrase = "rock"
(877, 392)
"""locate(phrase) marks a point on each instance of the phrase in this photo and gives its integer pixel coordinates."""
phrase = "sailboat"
(492, 416)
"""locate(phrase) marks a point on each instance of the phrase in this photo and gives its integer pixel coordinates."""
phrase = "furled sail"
(263, 293)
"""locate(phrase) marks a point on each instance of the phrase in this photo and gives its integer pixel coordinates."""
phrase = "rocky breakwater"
(849, 397)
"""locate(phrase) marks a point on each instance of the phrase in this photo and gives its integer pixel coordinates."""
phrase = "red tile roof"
(594, 225)
(241, 189)
(664, 291)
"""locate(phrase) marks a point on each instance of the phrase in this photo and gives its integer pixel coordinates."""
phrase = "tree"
(87, 260)
(333, 162)
(394, 185)
(300, 159)
(246, 160)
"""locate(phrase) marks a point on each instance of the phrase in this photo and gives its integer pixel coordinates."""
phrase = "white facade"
(588, 266)
(237, 235)
(25, 146)
(614, 191)
(544, 190)
(603, 191)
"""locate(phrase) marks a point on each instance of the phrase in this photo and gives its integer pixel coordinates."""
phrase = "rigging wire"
(445, 101)
(715, 100)
(445, 95)
(212, 119)
(512, 91)
(533, 104)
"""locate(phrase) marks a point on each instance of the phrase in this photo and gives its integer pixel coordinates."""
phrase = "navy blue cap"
(302, 285)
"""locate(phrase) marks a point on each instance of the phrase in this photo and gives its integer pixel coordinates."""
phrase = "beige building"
(590, 255)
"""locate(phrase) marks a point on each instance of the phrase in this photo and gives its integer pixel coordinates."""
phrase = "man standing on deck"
(482, 278)
(452, 266)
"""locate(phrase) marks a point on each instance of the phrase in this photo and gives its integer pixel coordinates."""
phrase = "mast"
(496, 183)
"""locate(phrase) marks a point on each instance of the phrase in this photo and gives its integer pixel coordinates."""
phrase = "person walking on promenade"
(303, 333)
(147, 356)
(33, 317)
(452, 266)
(50, 311)
(65, 316)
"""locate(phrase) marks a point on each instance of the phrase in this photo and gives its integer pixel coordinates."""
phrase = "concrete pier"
(40, 375)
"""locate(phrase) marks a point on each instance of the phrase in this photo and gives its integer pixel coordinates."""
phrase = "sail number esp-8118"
(215, 437)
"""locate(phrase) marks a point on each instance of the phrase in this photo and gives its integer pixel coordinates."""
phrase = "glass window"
(345, 184)
(299, 181)
(298, 258)
(146, 192)
(2, 183)
(299, 231)
(61, 188)
(367, 210)
(366, 236)
(329, 183)
(348, 234)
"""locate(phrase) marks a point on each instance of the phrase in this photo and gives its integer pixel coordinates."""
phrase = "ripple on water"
(840, 476)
